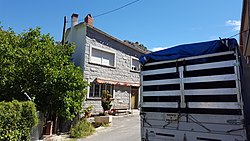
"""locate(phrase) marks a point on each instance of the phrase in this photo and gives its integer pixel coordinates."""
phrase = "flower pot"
(48, 128)
(103, 119)
(87, 114)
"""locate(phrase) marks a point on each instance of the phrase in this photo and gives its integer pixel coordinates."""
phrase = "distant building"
(245, 30)
(107, 64)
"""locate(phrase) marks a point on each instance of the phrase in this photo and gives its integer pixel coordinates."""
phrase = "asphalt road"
(122, 129)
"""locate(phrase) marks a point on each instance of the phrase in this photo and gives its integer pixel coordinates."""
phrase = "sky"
(156, 24)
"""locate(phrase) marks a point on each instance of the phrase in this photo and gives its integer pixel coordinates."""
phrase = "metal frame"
(194, 127)
(161, 82)
(211, 65)
(160, 104)
(225, 77)
(162, 93)
(221, 91)
(158, 71)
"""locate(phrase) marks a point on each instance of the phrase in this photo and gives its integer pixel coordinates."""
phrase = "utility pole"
(64, 26)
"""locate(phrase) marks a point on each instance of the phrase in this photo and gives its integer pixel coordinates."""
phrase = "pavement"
(123, 127)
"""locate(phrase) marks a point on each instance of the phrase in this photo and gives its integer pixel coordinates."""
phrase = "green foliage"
(89, 109)
(105, 124)
(82, 129)
(17, 120)
(106, 100)
(35, 64)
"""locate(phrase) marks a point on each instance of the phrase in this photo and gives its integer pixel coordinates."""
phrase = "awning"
(114, 82)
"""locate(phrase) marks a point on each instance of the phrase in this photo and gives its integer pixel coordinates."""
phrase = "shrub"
(105, 124)
(17, 120)
(106, 100)
(87, 111)
(82, 129)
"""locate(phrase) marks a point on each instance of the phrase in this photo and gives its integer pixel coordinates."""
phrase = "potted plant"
(106, 105)
(87, 111)
(106, 101)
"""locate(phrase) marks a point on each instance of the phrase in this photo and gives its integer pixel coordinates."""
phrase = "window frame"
(100, 85)
(131, 64)
(102, 50)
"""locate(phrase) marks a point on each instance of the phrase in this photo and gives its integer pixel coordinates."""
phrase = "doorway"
(134, 97)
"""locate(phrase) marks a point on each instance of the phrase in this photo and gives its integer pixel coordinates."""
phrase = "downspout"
(130, 99)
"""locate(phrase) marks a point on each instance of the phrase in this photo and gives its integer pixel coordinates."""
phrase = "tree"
(34, 64)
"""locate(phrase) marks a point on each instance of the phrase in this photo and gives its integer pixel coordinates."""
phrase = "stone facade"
(121, 72)
(86, 38)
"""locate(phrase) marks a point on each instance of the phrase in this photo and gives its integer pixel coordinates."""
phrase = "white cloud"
(158, 48)
(234, 23)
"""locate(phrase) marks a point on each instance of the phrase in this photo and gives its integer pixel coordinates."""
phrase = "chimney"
(74, 20)
(89, 20)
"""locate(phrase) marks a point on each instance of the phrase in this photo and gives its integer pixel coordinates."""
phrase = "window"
(102, 57)
(96, 89)
(135, 65)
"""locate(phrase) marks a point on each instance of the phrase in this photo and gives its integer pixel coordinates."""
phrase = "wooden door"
(134, 98)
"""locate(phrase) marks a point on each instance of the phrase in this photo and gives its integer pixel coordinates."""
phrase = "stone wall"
(122, 72)
(122, 97)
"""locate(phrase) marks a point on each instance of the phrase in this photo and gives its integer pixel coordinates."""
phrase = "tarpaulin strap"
(184, 66)
(179, 110)
(224, 42)
(199, 123)
(232, 130)
(144, 119)
(177, 67)
(186, 111)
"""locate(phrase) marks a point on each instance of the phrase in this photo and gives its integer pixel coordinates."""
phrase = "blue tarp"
(188, 50)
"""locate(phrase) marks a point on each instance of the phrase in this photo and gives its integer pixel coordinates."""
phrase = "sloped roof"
(109, 36)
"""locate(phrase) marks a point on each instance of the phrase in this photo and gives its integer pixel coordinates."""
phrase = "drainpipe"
(130, 99)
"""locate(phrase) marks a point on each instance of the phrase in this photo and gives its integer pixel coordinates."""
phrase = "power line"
(105, 13)
(239, 33)
(236, 34)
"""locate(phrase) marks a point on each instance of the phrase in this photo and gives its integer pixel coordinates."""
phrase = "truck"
(195, 92)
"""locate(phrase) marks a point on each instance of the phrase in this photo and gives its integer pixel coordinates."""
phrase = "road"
(122, 129)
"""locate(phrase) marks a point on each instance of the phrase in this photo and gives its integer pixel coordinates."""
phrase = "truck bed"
(193, 99)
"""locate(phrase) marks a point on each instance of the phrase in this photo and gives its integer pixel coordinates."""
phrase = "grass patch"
(105, 124)
(96, 125)
(82, 129)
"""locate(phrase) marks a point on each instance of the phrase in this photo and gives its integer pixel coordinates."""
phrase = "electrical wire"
(105, 13)
(239, 33)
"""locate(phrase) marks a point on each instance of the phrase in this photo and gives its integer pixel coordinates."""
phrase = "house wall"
(77, 36)
(84, 38)
(122, 72)
(103, 39)
(245, 34)
(122, 97)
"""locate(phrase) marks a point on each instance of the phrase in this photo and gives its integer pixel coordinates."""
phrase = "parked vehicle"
(195, 92)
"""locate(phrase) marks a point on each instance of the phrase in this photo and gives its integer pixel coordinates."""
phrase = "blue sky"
(154, 23)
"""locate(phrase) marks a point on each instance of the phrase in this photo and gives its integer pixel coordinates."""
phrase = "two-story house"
(107, 63)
